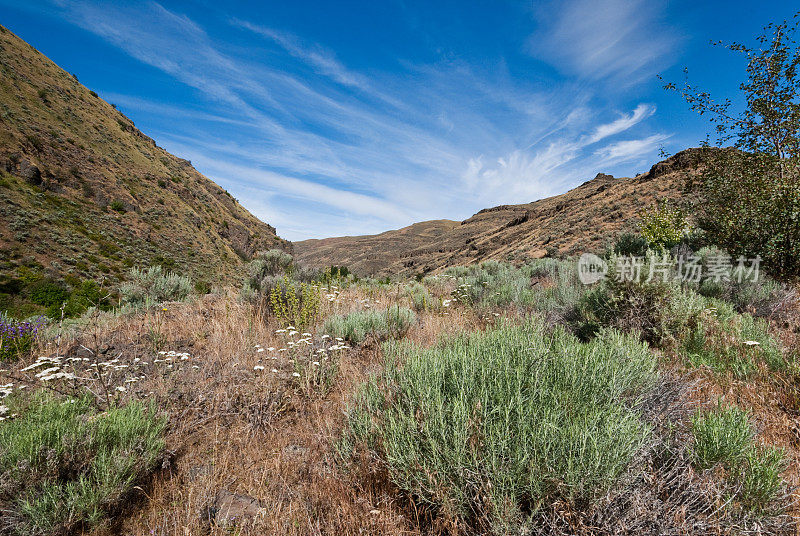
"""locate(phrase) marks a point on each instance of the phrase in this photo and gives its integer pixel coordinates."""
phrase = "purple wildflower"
(16, 337)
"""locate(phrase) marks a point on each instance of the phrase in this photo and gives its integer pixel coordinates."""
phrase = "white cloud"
(621, 40)
(622, 151)
(322, 60)
(318, 149)
(542, 171)
(642, 111)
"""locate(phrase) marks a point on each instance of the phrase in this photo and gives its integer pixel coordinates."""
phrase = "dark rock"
(522, 218)
(686, 159)
(30, 172)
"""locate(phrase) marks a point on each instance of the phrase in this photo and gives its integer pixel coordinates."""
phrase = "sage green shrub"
(356, 327)
(63, 464)
(492, 424)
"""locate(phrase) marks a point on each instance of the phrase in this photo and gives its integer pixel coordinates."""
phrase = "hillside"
(84, 194)
(582, 219)
(373, 254)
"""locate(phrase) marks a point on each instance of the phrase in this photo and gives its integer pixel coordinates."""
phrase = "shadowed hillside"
(84, 194)
(582, 219)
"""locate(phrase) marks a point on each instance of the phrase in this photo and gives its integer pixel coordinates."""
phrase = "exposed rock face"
(30, 172)
(687, 159)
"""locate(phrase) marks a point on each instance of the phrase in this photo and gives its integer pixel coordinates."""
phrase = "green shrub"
(85, 295)
(547, 285)
(270, 263)
(340, 276)
(661, 312)
(707, 331)
(294, 303)
(150, 286)
(356, 327)
(760, 477)
(202, 287)
(721, 436)
(48, 293)
(724, 437)
(664, 226)
(264, 272)
(64, 465)
(421, 298)
(491, 425)
(724, 341)
(764, 297)
(630, 244)
(557, 288)
(118, 206)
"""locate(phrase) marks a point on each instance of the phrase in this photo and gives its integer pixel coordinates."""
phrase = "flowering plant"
(17, 337)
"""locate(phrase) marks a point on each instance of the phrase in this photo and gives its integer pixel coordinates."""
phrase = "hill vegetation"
(84, 196)
(485, 399)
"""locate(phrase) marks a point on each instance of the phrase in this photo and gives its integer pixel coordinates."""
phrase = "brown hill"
(583, 219)
(84, 194)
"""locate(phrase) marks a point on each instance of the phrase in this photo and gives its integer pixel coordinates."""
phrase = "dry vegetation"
(236, 427)
(254, 430)
(488, 398)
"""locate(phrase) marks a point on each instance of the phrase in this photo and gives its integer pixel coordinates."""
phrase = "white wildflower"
(48, 372)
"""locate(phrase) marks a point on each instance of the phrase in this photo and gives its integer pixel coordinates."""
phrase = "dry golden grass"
(253, 432)
(257, 433)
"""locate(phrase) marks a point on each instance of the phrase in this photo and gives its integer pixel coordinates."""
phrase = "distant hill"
(583, 219)
(84, 194)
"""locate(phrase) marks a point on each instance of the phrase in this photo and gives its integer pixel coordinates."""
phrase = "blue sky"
(344, 118)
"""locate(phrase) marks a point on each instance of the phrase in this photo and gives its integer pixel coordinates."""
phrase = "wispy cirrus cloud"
(324, 61)
(626, 150)
(626, 122)
(548, 170)
(318, 149)
(621, 40)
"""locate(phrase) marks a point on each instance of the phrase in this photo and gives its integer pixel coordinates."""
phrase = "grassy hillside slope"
(84, 194)
(582, 219)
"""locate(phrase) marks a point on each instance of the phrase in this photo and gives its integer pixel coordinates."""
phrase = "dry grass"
(249, 431)
(256, 432)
